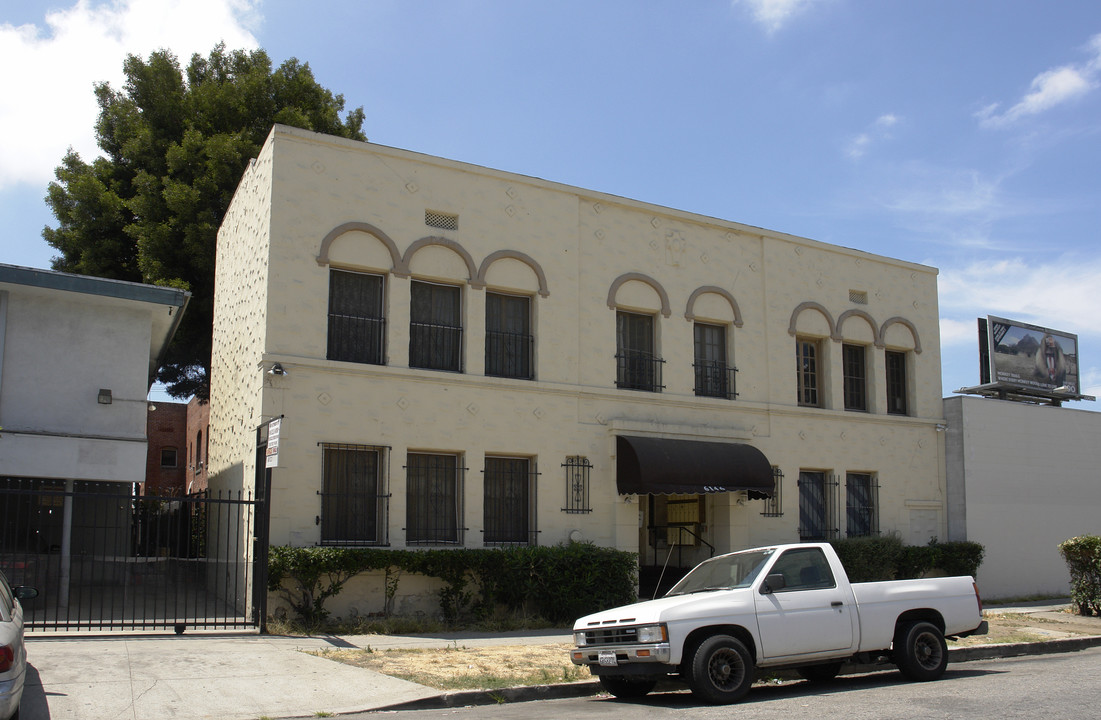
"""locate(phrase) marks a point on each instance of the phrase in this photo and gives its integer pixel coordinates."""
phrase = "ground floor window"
(353, 508)
(861, 505)
(509, 501)
(817, 506)
(433, 502)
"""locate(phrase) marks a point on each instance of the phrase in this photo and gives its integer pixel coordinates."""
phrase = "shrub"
(869, 559)
(559, 583)
(1083, 557)
(872, 559)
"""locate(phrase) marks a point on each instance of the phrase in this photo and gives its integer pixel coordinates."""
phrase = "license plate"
(607, 658)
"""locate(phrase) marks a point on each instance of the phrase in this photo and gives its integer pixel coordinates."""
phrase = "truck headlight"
(579, 639)
(652, 634)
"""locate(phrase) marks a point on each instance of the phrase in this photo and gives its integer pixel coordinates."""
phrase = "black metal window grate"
(774, 506)
(578, 470)
(434, 499)
(818, 506)
(713, 376)
(509, 341)
(854, 362)
(509, 501)
(638, 366)
(357, 327)
(435, 327)
(861, 505)
(354, 499)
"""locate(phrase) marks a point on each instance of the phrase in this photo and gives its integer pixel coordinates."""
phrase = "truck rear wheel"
(720, 670)
(625, 686)
(920, 651)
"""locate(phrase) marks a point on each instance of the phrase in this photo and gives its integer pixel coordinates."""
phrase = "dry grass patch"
(463, 668)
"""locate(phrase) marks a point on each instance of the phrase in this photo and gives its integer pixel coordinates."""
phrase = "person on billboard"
(1051, 366)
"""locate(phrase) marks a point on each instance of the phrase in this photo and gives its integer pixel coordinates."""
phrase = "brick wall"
(166, 462)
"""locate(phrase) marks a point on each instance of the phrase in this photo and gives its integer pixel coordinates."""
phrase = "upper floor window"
(855, 376)
(714, 377)
(435, 327)
(433, 505)
(808, 371)
(637, 365)
(356, 320)
(353, 501)
(509, 341)
(896, 382)
(168, 457)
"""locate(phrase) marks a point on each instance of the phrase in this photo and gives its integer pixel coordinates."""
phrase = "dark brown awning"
(664, 467)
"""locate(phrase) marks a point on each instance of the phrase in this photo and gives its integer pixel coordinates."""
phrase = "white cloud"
(774, 13)
(879, 130)
(48, 104)
(946, 192)
(1061, 292)
(1050, 89)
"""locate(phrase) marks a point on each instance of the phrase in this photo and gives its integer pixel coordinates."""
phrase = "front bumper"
(612, 656)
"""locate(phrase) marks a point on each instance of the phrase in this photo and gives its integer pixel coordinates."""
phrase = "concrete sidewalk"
(239, 676)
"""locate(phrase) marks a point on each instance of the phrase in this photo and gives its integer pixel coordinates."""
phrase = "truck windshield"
(726, 572)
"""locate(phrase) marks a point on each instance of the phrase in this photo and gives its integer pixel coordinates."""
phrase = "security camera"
(277, 369)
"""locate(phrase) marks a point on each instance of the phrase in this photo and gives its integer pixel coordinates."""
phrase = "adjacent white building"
(1022, 478)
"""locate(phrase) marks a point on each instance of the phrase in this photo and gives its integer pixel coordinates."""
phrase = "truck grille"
(611, 636)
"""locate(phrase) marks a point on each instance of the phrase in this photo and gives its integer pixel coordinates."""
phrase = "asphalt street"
(1054, 687)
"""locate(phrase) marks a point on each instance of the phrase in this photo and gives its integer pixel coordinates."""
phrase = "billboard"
(1027, 356)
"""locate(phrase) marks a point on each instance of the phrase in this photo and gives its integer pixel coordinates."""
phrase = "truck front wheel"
(721, 670)
(920, 651)
(625, 686)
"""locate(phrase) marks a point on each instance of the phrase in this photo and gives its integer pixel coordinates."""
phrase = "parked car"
(787, 606)
(13, 652)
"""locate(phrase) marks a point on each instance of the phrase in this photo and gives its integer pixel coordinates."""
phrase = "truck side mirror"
(774, 582)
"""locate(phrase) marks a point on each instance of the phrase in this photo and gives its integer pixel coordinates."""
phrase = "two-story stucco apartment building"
(465, 357)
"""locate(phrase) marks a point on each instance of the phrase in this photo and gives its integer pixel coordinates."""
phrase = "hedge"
(1083, 557)
(871, 559)
(559, 583)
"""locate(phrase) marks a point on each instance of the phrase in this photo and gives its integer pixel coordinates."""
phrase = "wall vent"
(860, 297)
(444, 221)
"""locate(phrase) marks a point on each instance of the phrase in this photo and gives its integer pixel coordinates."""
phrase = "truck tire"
(720, 670)
(625, 686)
(819, 673)
(920, 651)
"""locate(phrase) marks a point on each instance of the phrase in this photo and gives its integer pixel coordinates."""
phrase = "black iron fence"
(637, 370)
(104, 557)
(715, 379)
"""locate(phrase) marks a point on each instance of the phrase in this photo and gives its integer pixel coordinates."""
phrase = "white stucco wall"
(312, 203)
(1022, 478)
(59, 349)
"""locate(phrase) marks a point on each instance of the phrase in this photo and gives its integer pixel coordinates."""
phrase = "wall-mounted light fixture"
(104, 397)
(277, 369)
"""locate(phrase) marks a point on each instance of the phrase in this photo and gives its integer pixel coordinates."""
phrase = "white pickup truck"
(788, 606)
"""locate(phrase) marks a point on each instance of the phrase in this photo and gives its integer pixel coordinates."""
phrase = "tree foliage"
(175, 144)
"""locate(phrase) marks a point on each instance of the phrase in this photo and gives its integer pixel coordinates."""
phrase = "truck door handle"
(836, 603)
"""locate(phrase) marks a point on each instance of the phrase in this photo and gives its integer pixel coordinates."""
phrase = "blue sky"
(962, 135)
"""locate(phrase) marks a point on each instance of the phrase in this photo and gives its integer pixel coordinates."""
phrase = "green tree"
(175, 145)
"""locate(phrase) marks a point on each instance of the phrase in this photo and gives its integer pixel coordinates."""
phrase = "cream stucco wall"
(1022, 478)
(311, 203)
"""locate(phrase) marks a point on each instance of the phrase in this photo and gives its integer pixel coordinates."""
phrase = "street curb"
(582, 689)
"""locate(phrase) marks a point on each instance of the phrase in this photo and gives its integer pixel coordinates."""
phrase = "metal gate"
(105, 557)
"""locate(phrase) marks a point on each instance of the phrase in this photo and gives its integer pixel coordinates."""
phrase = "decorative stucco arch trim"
(455, 247)
(327, 241)
(480, 280)
(690, 316)
(901, 321)
(862, 314)
(627, 277)
(812, 306)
